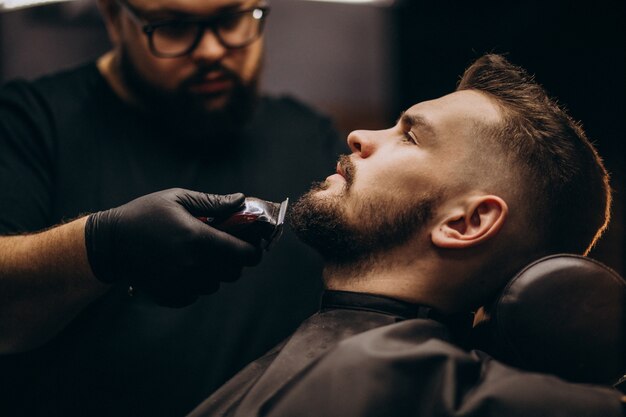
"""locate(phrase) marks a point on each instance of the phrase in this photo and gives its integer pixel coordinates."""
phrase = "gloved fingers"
(191, 283)
(230, 273)
(212, 205)
(167, 294)
(207, 282)
(227, 249)
(208, 287)
(176, 299)
(155, 240)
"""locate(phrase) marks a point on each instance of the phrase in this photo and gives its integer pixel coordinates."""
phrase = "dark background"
(364, 64)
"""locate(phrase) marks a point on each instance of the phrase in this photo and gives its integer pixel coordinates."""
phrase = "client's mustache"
(348, 169)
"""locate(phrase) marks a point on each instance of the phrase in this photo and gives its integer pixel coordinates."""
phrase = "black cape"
(364, 355)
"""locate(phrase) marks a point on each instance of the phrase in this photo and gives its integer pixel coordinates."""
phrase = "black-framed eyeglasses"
(177, 37)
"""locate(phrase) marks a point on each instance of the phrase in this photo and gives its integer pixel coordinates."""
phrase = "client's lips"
(345, 168)
(339, 170)
(338, 175)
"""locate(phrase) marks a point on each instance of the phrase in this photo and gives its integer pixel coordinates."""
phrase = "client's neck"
(406, 281)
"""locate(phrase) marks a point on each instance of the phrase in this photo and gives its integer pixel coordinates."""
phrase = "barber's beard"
(187, 114)
(376, 226)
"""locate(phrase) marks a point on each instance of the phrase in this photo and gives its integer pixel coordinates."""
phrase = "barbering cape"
(354, 363)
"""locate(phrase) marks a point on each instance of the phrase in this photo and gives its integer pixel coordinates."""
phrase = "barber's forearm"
(45, 281)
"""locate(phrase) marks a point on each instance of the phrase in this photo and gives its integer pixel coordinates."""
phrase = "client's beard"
(186, 113)
(379, 225)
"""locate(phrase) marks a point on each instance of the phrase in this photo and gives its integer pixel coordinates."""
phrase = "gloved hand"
(156, 244)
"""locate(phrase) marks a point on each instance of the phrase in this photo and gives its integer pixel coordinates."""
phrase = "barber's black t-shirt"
(68, 146)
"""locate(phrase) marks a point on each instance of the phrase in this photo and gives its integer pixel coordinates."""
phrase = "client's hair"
(564, 181)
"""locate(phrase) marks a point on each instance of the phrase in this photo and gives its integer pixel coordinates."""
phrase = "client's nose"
(361, 143)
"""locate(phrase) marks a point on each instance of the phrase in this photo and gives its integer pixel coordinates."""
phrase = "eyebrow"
(167, 13)
(414, 120)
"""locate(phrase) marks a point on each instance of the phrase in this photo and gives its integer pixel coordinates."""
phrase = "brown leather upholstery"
(563, 314)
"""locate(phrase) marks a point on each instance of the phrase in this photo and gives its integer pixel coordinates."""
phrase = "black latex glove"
(156, 244)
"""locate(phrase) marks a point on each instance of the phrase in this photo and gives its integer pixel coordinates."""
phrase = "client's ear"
(478, 220)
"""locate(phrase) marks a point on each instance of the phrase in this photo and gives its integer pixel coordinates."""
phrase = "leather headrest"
(563, 314)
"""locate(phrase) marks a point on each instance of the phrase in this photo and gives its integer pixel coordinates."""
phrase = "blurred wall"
(44, 39)
(335, 56)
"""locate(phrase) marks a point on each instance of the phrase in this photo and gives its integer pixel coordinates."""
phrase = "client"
(423, 221)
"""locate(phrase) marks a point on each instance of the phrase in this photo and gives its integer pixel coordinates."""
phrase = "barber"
(174, 104)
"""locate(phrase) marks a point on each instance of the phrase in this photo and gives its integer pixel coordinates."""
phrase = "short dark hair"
(565, 182)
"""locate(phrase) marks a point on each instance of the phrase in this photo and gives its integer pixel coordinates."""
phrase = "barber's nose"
(361, 142)
(209, 48)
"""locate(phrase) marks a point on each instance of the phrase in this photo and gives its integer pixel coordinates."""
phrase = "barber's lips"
(212, 84)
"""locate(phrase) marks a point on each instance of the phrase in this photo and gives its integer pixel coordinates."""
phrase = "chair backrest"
(564, 315)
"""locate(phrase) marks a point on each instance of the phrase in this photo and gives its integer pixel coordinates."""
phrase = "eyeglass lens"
(233, 30)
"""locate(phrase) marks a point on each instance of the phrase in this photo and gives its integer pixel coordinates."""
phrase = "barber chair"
(564, 315)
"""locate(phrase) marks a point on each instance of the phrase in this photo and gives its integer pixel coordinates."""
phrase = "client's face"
(393, 185)
(345, 228)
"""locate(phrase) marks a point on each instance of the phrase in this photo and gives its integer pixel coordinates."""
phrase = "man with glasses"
(174, 104)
